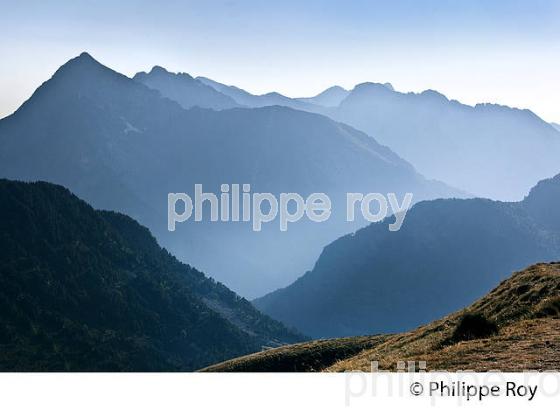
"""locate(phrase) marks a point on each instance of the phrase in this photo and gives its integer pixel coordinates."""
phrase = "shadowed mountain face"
(448, 253)
(121, 146)
(555, 125)
(86, 290)
(184, 89)
(488, 150)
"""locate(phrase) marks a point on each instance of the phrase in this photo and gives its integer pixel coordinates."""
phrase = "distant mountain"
(331, 97)
(513, 328)
(447, 253)
(121, 146)
(247, 99)
(184, 89)
(488, 150)
(86, 290)
(555, 125)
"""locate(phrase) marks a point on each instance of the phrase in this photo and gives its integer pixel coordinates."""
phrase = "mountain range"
(123, 146)
(448, 253)
(488, 150)
(84, 287)
(88, 290)
(184, 89)
(257, 101)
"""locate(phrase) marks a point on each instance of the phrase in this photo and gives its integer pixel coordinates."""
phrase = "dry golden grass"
(525, 308)
(527, 345)
(302, 357)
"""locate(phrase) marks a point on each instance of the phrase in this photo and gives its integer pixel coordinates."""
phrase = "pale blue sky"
(474, 51)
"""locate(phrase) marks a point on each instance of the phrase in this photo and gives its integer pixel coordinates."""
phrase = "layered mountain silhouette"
(257, 101)
(184, 89)
(123, 146)
(87, 290)
(488, 150)
(447, 253)
(331, 97)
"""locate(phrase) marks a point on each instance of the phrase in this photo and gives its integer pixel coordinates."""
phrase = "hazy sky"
(474, 51)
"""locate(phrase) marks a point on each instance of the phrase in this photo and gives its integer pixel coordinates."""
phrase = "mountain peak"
(389, 86)
(184, 89)
(83, 59)
(157, 69)
(273, 94)
(85, 55)
(373, 87)
(84, 64)
(433, 94)
(334, 88)
(332, 91)
(330, 97)
(79, 76)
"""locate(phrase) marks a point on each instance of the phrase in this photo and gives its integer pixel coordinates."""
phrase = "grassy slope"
(301, 357)
(525, 307)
